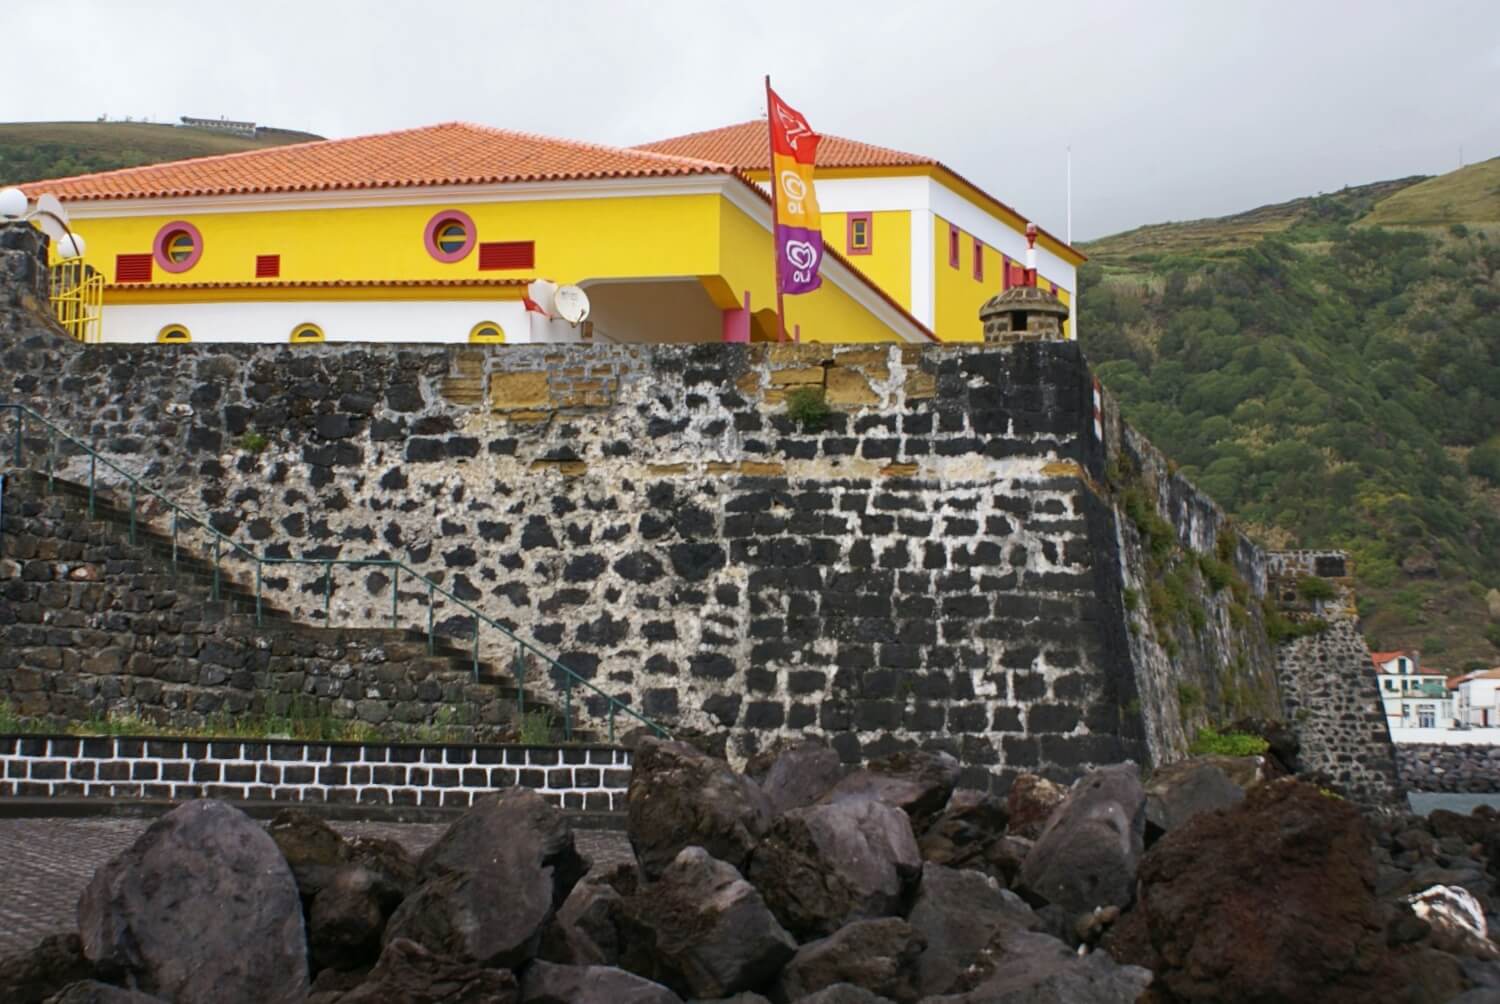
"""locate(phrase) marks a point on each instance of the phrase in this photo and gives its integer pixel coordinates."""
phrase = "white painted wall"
(342, 321)
(1448, 737)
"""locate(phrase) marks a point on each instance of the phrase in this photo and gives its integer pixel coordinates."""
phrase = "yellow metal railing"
(78, 299)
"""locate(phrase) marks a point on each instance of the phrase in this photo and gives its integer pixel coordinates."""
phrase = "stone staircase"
(54, 554)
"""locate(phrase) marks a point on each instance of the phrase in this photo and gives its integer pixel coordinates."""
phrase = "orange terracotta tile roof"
(747, 147)
(453, 153)
(1380, 658)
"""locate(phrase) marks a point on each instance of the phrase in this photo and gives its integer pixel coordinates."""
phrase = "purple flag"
(799, 253)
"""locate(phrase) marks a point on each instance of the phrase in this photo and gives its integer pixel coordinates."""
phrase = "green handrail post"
(174, 542)
(132, 512)
(258, 564)
(520, 682)
(93, 467)
(568, 711)
(476, 646)
(430, 588)
(612, 707)
(395, 593)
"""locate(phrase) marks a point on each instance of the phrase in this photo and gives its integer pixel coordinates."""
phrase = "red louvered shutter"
(133, 267)
(267, 266)
(507, 254)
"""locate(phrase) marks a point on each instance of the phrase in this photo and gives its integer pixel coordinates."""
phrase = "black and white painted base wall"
(592, 779)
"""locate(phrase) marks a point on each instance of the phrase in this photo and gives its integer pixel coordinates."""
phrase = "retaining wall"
(591, 779)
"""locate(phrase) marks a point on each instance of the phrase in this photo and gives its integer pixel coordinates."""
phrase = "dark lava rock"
(844, 993)
(208, 869)
(1088, 854)
(965, 833)
(876, 955)
(345, 921)
(1029, 804)
(800, 776)
(585, 931)
(32, 976)
(545, 983)
(959, 913)
(311, 847)
(1176, 792)
(827, 865)
(90, 992)
(407, 973)
(1022, 967)
(1270, 900)
(680, 797)
(915, 781)
(492, 881)
(702, 930)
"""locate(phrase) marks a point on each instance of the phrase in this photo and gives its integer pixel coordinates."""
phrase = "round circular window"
(487, 331)
(450, 235)
(178, 246)
(173, 334)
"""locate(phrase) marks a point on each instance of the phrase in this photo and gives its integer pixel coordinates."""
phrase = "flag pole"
(775, 218)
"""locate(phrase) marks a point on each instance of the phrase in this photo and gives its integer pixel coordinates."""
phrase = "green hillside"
(1329, 370)
(1468, 195)
(33, 151)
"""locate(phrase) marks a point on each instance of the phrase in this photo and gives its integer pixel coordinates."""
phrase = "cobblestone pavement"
(46, 863)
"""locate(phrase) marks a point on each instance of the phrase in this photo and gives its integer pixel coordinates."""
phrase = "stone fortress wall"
(939, 561)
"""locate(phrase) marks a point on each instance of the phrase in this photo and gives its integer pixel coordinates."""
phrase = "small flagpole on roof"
(775, 216)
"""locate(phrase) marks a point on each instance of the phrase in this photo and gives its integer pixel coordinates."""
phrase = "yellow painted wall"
(889, 260)
(958, 295)
(826, 315)
(575, 239)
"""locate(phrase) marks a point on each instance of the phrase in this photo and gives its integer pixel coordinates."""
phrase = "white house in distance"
(1414, 698)
(1477, 699)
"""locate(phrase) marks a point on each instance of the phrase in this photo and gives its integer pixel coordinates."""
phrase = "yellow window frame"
(169, 335)
(480, 339)
(307, 334)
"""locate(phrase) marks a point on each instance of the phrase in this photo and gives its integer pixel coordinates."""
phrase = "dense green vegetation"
(32, 151)
(1332, 383)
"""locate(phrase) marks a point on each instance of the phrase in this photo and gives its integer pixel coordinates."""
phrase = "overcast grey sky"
(1174, 110)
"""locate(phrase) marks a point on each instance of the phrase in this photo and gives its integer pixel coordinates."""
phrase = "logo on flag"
(799, 234)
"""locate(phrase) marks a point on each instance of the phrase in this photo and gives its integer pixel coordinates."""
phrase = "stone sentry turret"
(1024, 313)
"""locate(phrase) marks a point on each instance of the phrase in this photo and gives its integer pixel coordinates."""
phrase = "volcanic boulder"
(209, 869)
(824, 866)
(958, 913)
(1088, 854)
(407, 973)
(545, 983)
(876, 955)
(492, 882)
(1272, 899)
(800, 776)
(680, 797)
(915, 781)
(702, 930)
(1029, 804)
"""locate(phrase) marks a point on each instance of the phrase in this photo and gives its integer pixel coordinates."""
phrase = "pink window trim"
(869, 233)
(429, 236)
(979, 259)
(159, 246)
(952, 246)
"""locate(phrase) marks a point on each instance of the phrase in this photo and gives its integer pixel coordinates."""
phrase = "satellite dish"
(572, 304)
(50, 217)
(542, 292)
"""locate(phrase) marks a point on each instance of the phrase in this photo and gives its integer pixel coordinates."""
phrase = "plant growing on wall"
(808, 406)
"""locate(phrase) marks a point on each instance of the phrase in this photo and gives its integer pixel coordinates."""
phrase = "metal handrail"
(221, 540)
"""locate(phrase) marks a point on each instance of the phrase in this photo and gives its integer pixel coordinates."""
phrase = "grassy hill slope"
(1468, 195)
(32, 151)
(1333, 380)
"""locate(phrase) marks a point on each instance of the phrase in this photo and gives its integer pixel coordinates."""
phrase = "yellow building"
(935, 241)
(433, 235)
